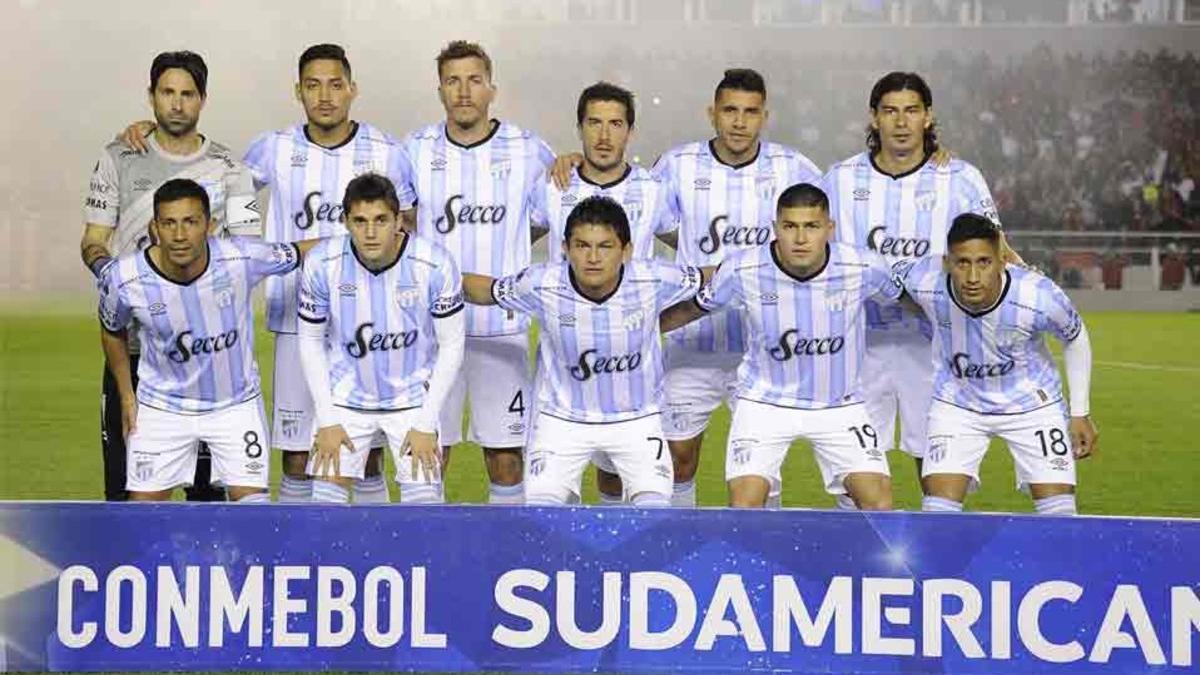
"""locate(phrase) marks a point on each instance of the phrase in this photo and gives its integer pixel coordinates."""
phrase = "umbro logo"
(158, 308)
(438, 164)
(702, 183)
(347, 289)
(569, 198)
(299, 159)
(768, 299)
(142, 184)
(862, 195)
(566, 319)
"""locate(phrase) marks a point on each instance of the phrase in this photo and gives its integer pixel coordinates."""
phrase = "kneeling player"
(802, 301)
(189, 295)
(993, 375)
(381, 341)
(600, 358)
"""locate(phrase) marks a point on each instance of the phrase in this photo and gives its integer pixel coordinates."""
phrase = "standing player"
(381, 343)
(189, 296)
(599, 355)
(605, 118)
(119, 208)
(994, 376)
(803, 302)
(474, 179)
(895, 201)
(722, 192)
(306, 168)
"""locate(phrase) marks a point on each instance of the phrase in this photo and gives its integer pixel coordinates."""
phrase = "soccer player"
(803, 309)
(993, 375)
(381, 343)
(722, 192)
(118, 210)
(605, 121)
(474, 178)
(896, 200)
(189, 296)
(599, 354)
(306, 168)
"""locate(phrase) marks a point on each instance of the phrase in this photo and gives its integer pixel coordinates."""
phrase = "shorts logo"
(742, 450)
(937, 448)
(537, 464)
(517, 427)
(254, 467)
(1059, 463)
(290, 428)
(663, 471)
(143, 469)
(347, 289)
(875, 455)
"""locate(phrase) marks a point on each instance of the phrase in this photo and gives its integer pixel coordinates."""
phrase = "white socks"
(684, 494)
(295, 490)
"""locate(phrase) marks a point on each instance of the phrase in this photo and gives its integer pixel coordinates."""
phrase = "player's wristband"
(99, 264)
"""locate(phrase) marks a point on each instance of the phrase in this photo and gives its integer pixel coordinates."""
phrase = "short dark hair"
(599, 210)
(370, 187)
(742, 79)
(901, 81)
(968, 226)
(177, 189)
(801, 195)
(189, 61)
(461, 49)
(323, 52)
(605, 91)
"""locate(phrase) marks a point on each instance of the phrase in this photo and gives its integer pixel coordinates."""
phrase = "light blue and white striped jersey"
(805, 337)
(476, 201)
(306, 183)
(904, 216)
(721, 209)
(598, 361)
(994, 361)
(637, 192)
(197, 338)
(381, 341)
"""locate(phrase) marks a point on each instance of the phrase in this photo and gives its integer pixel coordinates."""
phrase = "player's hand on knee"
(1084, 436)
(129, 411)
(560, 173)
(327, 452)
(135, 134)
(423, 447)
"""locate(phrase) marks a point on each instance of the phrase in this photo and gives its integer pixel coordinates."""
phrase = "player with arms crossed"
(119, 208)
(474, 178)
(994, 376)
(605, 119)
(189, 295)
(599, 355)
(381, 343)
(803, 309)
(722, 192)
(898, 199)
(306, 168)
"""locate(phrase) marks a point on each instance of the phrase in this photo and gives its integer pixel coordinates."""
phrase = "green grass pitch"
(1144, 400)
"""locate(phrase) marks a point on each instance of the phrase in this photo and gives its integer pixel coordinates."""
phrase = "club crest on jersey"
(501, 168)
(407, 296)
(1009, 338)
(836, 300)
(925, 201)
(224, 296)
(633, 319)
(765, 185)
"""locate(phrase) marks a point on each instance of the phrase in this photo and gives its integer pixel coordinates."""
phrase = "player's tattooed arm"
(560, 173)
(93, 247)
(678, 315)
(116, 357)
(135, 135)
(477, 289)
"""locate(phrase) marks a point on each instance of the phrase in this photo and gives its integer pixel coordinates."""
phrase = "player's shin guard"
(684, 494)
(846, 503)
(506, 494)
(422, 493)
(255, 498)
(295, 490)
(371, 490)
(328, 492)
(940, 505)
(1058, 505)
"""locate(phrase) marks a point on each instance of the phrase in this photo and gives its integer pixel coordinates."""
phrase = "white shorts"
(293, 419)
(495, 378)
(1038, 440)
(695, 384)
(898, 375)
(561, 450)
(162, 449)
(761, 434)
(364, 428)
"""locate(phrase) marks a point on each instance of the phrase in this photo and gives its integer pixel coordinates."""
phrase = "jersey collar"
(353, 133)
(810, 277)
(898, 176)
(985, 311)
(712, 149)
(601, 301)
(385, 268)
(611, 183)
(159, 272)
(495, 128)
